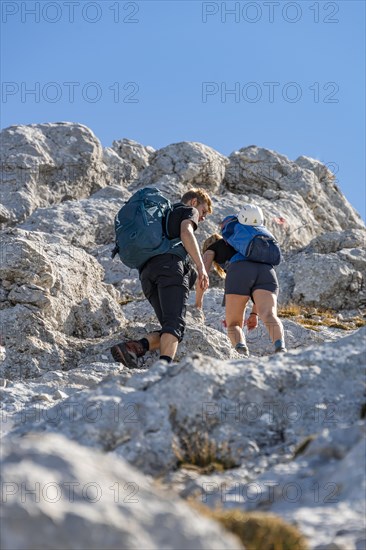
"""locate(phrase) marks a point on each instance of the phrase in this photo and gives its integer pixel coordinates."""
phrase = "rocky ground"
(97, 456)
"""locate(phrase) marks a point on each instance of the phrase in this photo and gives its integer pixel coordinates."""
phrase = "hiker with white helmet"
(247, 252)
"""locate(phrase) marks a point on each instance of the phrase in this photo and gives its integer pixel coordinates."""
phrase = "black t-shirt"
(181, 212)
(223, 251)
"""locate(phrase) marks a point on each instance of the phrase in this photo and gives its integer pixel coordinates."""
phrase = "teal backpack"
(140, 227)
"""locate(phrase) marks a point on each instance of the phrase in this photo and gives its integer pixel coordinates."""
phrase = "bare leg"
(154, 340)
(235, 305)
(266, 303)
(168, 344)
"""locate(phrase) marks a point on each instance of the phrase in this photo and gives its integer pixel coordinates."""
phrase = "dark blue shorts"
(245, 277)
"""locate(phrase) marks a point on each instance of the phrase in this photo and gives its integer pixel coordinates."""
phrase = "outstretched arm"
(191, 245)
(252, 321)
(208, 258)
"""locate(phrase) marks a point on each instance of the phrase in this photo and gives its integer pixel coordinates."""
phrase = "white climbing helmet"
(251, 214)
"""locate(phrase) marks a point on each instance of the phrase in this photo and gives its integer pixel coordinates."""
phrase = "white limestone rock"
(84, 223)
(134, 153)
(45, 164)
(266, 173)
(59, 394)
(121, 171)
(62, 308)
(189, 164)
(322, 490)
(83, 499)
(169, 185)
(335, 241)
(18, 404)
(330, 272)
(124, 279)
(246, 407)
(288, 218)
(54, 298)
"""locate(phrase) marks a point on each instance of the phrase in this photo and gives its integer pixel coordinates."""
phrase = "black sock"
(166, 358)
(145, 344)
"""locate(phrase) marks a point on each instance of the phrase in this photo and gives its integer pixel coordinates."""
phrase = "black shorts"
(245, 277)
(166, 280)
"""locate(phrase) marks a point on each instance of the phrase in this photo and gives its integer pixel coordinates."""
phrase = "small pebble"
(317, 318)
(60, 395)
(41, 397)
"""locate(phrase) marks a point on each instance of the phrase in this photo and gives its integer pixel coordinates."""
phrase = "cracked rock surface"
(212, 427)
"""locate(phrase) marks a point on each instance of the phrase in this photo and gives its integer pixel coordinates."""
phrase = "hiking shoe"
(128, 353)
(281, 349)
(242, 349)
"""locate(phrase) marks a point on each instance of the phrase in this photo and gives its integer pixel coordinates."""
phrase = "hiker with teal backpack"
(247, 253)
(156, 237)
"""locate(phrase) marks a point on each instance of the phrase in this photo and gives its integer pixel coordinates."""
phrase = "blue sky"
(161, 72)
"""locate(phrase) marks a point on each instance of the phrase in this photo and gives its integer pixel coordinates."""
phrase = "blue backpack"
(140, 227)
(253, 243)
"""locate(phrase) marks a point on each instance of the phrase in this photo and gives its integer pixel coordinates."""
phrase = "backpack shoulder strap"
(167, 216)
(261, 230)
(166, 221)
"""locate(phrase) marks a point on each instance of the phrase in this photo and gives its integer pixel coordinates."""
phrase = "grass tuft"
(311, 317)
(257, 530)
(300, 449)
(289, 310)
(197, 452)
